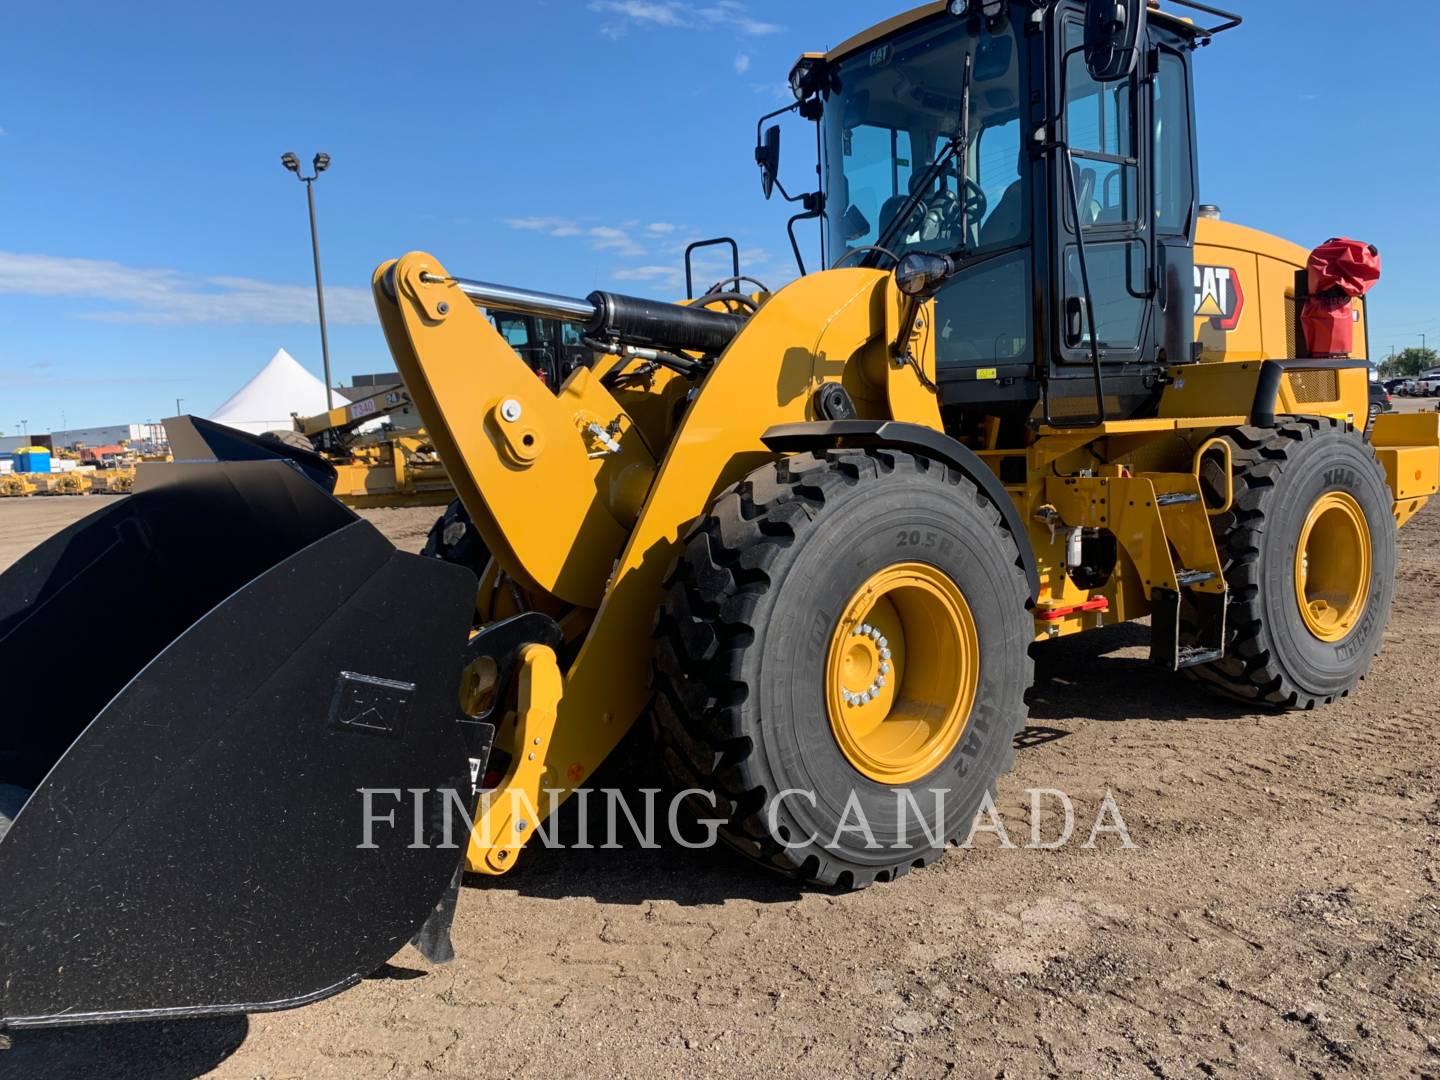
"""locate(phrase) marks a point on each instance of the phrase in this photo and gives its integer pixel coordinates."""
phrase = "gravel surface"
(1278, 915)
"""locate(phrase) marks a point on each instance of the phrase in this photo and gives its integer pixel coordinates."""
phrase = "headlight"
(920, 273)
(805, 76)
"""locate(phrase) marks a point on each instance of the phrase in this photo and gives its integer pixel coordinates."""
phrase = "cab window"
(513, 331)
(997, 172)
(878, 165)
(1174, 169)
(1100, 129)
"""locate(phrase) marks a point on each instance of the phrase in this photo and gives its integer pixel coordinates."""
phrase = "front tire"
(1309, 554)
(454, 538)
(12, 799)
(845, 638)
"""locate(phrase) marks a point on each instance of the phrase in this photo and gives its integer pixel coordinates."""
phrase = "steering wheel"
(975, 205)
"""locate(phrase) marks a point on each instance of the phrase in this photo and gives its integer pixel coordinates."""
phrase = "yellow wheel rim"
(1332, 566)
(901, 673)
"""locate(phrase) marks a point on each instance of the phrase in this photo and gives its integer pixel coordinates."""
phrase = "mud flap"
(254, 657)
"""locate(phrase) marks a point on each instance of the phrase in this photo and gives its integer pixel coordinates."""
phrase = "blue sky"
(152, 248)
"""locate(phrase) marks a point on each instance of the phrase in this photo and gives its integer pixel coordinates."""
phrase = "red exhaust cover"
(1338, 270)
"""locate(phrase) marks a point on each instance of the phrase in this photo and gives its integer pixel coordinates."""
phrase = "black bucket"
(195, 684)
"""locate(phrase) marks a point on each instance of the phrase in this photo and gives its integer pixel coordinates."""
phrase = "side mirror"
(767, 156)
(1114, 36)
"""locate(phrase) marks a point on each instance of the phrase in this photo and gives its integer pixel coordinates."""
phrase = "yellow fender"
(551, 521)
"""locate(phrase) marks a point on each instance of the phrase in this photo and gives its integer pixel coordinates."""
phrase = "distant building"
(365, 385)
(103, 436)
(10, 443)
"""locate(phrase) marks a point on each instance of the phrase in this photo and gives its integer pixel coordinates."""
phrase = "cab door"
(1171, 131)
(1102, 126)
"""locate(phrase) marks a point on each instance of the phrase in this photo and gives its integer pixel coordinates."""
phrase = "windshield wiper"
(959, 143)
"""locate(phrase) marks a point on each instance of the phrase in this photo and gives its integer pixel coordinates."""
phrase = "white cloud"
(609, 238)
(742, 63)
(661, 228)
(28, 380)
(599, 237)
(639, 11)
(675, 15)
(170, 297)
(551, 226)
(733, 14)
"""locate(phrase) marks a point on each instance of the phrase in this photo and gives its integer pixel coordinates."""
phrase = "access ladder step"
(1194, 655)
(1176, 498)
(1186, 578)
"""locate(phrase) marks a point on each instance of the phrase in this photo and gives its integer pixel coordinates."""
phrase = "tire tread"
(701, 676)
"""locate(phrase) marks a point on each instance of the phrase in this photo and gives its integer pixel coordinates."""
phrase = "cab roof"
(1171, 21)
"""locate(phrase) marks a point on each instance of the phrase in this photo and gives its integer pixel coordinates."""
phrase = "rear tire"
(756, 607)
(1285, 477)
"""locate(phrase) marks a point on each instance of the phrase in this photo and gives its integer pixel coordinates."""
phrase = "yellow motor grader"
(806, 536)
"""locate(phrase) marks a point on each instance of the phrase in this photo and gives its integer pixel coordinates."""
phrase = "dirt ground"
(1278, 915)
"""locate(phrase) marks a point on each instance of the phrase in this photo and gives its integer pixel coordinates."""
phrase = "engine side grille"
(1314, 385)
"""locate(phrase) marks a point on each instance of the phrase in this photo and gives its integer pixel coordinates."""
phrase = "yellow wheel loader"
(804, 536)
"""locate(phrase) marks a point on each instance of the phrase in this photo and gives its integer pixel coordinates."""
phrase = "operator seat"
(1006, 219)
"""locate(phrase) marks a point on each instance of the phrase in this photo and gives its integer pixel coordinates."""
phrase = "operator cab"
(1014, 321)
(552, 348)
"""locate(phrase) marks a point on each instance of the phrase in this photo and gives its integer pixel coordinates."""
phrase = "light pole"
(320, 163)
(25, 431)
(178, 410)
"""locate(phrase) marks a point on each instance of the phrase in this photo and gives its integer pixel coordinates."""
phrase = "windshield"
(896, 111)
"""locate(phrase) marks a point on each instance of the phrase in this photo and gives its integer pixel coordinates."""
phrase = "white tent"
(267, 402)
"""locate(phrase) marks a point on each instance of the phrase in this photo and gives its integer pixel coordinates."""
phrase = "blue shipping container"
(32, 461)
